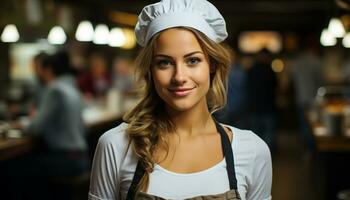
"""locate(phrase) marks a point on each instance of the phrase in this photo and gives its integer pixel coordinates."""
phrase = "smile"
(181, 92)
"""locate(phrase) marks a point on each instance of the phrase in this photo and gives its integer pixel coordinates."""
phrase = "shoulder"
(248, 146)
(53, 94)
(115, 137)
(253, 164)
(56, 89)
(113, 147)
(111, 164)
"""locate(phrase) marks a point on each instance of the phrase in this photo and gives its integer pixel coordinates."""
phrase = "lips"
(181, 91)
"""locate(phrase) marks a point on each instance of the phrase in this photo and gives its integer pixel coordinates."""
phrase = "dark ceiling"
(300, 16)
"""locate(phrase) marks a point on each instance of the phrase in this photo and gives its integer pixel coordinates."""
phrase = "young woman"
(171, 147)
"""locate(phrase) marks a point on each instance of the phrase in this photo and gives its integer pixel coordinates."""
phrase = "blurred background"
(66, 76)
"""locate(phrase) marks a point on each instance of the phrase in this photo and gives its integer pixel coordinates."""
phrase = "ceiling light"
(327, 38)
(346, 40)
(101, 34)
(130, 39)
(57, 35)
(116, 38)
(85, 32)
(10, 33)
(336, 28)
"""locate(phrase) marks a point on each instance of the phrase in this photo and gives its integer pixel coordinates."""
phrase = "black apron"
(232, 194)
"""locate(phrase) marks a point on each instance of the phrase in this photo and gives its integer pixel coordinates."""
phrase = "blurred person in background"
(235, 112)
(23, 98)
(261, 91)
(58, 125)
(96, 81)
(307, 76)
(38, 84)
(123, 78)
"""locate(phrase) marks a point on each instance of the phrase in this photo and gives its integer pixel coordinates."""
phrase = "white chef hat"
(198, 14)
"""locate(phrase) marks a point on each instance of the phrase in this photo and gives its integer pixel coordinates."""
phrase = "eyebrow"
(187, 55)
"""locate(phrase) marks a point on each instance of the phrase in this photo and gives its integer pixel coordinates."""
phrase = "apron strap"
(139, 172)
(228, 153)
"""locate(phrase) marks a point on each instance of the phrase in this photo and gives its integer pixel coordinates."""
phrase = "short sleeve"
(260, 188)
(104, 175)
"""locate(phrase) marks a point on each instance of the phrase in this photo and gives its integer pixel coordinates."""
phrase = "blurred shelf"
(328, 142)
(12, 147)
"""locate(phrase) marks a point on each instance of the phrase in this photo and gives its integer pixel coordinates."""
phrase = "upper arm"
(261, 183)
(104, 176)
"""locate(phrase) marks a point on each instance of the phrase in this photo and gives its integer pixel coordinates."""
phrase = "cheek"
(159, 78)
(160, 81)
(206, 82)
(202, 76)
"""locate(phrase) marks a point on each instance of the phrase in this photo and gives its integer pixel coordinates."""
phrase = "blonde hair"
(147, 120)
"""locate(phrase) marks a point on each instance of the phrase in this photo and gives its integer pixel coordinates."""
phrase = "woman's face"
(180, 69)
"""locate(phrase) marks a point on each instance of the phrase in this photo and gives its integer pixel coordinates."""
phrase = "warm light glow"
(254, 41)
(130, 38)
(10, 33)
(85, 32)
(101, 35)
(277, 65)
(116, 38)
(336, 28)
(57, 35)
(327, 38)
(346, 40)
(125, 18)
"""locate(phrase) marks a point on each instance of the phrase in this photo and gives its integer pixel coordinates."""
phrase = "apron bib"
(232, 194)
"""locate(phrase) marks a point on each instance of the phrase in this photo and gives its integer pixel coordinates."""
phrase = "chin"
(181, 106)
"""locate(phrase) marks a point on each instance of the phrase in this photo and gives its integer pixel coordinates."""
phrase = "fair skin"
(181, 74)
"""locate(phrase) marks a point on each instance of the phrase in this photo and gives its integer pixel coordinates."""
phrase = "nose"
(179, 77)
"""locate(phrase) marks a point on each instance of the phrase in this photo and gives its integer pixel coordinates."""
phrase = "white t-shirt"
(114, 166)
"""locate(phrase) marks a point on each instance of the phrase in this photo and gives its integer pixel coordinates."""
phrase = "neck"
(193, 121)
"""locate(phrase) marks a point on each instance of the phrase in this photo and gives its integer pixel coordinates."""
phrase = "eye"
(163, 63)
(193, 60)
